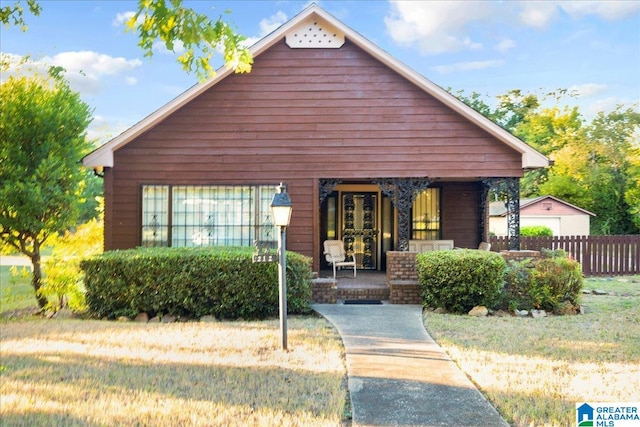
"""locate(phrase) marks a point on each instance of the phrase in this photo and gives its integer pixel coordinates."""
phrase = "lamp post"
(281, 209)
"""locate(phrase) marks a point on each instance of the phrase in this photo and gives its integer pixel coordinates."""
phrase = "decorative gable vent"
(314, 33)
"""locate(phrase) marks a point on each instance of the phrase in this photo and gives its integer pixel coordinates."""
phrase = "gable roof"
(499, 208)
(531, 159)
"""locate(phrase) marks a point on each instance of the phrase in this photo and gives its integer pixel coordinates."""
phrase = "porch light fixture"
(281, 209)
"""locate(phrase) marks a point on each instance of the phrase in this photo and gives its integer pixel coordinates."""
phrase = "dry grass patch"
(75, 372)
(535, 370)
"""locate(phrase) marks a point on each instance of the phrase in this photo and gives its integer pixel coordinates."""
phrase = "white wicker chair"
(335, 255)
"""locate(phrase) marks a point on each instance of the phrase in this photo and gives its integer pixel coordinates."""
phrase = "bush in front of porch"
(458, 280)
(192, 282)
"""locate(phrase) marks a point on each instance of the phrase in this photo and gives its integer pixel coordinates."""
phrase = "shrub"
(190, 282)
(535, 230)
(459, 280)
(516, 290)
(554, 281)
(62, 284)
(550, 283)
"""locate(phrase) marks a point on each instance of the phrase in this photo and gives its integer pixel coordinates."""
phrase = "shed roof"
(499, 208)
(531, 159)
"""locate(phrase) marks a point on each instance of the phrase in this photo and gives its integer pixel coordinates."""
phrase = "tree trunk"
(36, 278)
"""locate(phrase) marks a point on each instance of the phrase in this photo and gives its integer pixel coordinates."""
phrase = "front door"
(360, 227)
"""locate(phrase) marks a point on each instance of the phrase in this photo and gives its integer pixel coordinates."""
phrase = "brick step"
(363, 293)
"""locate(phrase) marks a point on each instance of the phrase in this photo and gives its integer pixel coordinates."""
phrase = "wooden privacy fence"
(598, 255)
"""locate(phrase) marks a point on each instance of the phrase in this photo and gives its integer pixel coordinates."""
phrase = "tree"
(596, 165)
(632, 195)
(14, 15)
(611, 139)
(63, 285)
(43, 126)
(174, 25)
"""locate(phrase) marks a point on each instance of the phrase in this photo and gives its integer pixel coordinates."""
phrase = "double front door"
(363, 220)
(360, 227)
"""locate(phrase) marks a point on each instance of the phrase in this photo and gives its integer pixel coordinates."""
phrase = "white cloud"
(602, 105)
(466, 66)
(446, 26)
(588, 89)
(505, 45)
(436, 27)
(86, 69)
(267, 25)
(131, 81)
(610, 10)
(538, 14)
(92, 63)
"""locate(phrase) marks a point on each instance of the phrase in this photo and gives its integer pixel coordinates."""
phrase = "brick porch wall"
(402, 278)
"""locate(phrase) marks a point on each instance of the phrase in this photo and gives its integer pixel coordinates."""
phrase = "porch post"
(510, 189)
(402, 192)
(483, 230)
(513, 212)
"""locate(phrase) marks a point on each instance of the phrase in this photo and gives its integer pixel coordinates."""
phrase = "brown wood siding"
(461, 214)
(300, 115)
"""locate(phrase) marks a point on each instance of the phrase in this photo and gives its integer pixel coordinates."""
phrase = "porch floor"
(368, 284)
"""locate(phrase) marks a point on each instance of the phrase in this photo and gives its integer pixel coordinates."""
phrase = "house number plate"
(265, 258)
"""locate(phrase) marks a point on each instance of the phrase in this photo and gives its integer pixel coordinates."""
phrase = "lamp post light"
(281, 210)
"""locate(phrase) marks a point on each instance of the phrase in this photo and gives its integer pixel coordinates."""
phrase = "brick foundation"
(405, 292)
(402, 278)
(324, 291)
(363, 293)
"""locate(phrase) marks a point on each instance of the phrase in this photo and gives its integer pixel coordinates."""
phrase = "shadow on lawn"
(146, 385)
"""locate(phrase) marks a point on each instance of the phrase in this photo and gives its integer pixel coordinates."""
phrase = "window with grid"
(425, 215)
(218, 215)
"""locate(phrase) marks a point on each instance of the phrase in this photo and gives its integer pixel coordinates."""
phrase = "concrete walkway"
(398, 375)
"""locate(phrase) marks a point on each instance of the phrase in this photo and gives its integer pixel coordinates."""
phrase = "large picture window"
(425, 215)
(212, 215)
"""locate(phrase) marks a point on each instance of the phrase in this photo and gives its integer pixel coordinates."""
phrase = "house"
(370, 150)
(563, 218)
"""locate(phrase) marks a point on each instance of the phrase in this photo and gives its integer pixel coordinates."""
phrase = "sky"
(590, 48)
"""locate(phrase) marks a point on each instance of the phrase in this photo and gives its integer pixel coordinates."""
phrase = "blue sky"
(589, 47)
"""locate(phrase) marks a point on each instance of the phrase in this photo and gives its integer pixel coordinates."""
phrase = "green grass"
(86, 372)
(15, 290)
(535, 370)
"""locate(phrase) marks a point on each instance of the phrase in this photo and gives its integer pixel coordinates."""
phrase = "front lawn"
(81, 372)
(536, 370)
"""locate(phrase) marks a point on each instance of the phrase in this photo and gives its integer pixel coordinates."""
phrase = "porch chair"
(336, 256)
(484, 246)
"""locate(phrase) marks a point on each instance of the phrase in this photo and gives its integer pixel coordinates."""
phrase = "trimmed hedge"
(459, 280)
(192, 282)
(535, 230)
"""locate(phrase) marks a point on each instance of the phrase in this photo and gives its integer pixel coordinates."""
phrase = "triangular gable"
(499, 209)
(336, 31)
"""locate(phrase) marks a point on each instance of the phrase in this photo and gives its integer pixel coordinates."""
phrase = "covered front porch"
(377, 216)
